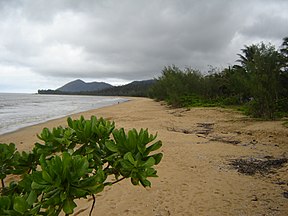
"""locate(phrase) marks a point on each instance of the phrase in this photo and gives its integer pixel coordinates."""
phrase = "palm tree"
(284, 47)
(283, 104)
(284, 52)
(248, 55)
(262, 63)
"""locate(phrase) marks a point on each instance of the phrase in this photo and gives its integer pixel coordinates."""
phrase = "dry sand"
(195, 177)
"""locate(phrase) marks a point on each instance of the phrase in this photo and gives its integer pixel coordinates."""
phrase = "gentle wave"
(21, 110)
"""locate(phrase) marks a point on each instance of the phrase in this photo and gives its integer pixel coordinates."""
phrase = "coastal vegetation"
(74, 162)
(257, 85)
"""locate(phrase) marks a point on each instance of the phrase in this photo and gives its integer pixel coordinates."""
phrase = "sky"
(45, 44)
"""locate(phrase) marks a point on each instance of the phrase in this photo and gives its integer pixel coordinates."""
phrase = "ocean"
(21, 110)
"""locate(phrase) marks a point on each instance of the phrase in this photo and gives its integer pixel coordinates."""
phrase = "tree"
(262, 63)
(260, 80)
(248, 55)
(284, 48)
(174, 84)
(283, 94)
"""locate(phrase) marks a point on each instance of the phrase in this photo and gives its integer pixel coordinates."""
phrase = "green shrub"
(73, 163)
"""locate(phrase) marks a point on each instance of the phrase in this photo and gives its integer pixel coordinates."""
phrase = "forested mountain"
(81, 86)
(135, 88)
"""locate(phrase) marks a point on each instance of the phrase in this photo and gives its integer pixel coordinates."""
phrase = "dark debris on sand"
(202, 129)
(252, 166)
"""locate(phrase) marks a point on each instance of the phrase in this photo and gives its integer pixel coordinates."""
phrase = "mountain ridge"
(79, 87)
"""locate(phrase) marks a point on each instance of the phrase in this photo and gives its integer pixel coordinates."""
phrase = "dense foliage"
(134, 89)
(72, 163)
(259, 81)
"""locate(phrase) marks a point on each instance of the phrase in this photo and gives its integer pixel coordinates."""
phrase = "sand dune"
(195, 175)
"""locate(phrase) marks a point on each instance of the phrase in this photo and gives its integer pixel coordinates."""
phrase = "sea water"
(21, 110)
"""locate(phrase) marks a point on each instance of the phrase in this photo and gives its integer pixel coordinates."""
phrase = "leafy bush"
(72, 163)
(262, 75)
(196, 101)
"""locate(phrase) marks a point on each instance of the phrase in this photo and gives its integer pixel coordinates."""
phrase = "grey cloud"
(131, 39)
(163, 32)
(267, 20)
(268, 27)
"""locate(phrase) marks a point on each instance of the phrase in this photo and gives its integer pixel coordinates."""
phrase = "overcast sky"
(45, 44)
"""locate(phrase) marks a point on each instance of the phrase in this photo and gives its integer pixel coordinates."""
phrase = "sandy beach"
(195, 176)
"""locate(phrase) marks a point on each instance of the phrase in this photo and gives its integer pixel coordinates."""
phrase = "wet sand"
(195, 175)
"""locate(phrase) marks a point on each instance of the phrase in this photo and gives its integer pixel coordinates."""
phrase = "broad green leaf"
(87, 129)
(37, 177)
(135, 181)
(152, 137)
(151, 172)
(70, 122)
(111, 146)
(66, 160)
(89, 150)
(5, 202)
(94, 189)
(54, 198)
(42, 161)
(157, 158)
(35, 210)
(56, 166)
(100, 176)
(119, 136)
(149, 163)
(78, 192)
(68, 206)
(31, 198)
(153, 147)
(111, 157)
(20, 205)
(126, 165)
(131, 142)
(145, 135)
(128, 156)
(88, 181)
(145, 182)
(46, 176)
(26, 182)
(51, 191)
(134, 173)
(141, 143)
(8, 159)
(79, 165)
(36, 186)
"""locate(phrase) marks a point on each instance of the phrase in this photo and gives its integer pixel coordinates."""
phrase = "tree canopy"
(259, 81)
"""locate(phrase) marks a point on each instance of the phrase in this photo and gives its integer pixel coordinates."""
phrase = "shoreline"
(34, 111)
(195, 177)
(31, 130)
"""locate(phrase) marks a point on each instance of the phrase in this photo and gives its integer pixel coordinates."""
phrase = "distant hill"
(81, 86)
(135, 88)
